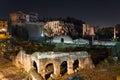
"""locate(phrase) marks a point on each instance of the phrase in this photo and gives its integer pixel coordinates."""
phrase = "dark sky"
(95, 12)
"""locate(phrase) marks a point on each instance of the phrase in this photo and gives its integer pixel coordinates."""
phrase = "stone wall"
(23, 60)
(39, 61)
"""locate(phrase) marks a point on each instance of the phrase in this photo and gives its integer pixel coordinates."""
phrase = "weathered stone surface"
(33, 75)
(40, 61)
(118, 77)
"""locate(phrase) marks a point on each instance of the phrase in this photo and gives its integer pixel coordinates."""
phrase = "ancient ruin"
(52, 64)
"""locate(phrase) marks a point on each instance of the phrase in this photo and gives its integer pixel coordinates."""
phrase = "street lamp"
(42, 35)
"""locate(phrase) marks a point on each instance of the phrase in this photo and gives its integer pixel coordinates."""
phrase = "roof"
(66, 39)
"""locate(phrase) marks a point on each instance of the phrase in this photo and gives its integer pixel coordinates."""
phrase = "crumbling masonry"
(39, 61)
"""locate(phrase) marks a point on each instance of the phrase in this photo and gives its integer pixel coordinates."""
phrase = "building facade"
(35, 30)
(56, 28)
(88, 30)
(3, 28)
(117, 31)
(19, 18)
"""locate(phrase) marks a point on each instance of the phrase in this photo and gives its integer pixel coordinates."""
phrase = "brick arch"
(63, 67)
(35, 65)
(49, 68)
(56, 67)
(48, 62)
(75, 64)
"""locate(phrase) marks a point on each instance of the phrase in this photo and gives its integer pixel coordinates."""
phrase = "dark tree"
(20, 32)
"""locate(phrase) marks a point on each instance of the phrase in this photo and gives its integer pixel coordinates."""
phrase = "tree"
(105, 33)
(20, 32)
(48, 31)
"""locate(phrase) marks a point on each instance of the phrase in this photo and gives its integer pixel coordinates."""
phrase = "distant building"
(81, 41)
(64, 39)
(30, 21)
(117, 31)
(35, 30)
(19, 18)
(3, 25)
(4, 28)
(88, 30)
(58, 27)
(97, 29)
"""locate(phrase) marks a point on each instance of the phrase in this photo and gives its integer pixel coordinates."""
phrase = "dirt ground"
(101, 72)
(9, 71)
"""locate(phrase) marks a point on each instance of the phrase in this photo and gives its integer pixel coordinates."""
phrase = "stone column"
(56, 70)
(28, 63)
(88, 63)
(42, 70)
(70, 67)
(81, 63)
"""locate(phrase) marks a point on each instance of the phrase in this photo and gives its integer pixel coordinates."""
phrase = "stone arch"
(35, 66)
(63, 68)
(49, 68)
(76, 64)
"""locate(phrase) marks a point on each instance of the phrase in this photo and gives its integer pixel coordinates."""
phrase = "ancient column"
(41, 69)
(81, 63)
(70, 66)
(56, 70)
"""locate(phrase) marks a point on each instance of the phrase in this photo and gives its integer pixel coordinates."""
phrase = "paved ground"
(9, 71)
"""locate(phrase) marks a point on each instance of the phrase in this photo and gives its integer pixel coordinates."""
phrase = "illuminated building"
(88, 30)
(58, 27)
(64, 39)
(19, 18)
(117, 31)
(3, 28)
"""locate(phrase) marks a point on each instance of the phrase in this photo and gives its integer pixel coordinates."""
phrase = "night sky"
(103, 13)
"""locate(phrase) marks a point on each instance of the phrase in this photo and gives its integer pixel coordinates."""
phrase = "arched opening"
(62, 39)
(35, 66)
(75, 64)
(63, 68)
(49, 70)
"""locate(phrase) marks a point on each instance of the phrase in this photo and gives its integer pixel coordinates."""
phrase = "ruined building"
(44, 65)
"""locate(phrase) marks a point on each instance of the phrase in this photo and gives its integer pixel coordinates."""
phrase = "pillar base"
(54, 76)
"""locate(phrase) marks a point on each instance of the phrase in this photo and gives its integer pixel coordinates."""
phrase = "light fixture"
(3, 29)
